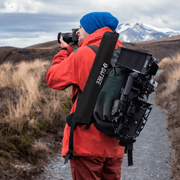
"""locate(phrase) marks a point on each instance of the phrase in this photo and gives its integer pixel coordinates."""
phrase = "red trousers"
(96, 168)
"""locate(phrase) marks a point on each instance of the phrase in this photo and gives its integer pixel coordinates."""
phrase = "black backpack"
(120, 90)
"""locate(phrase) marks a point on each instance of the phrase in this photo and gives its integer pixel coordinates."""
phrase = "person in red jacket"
(98, 156)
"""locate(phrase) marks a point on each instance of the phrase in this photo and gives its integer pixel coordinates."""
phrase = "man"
(98, 156)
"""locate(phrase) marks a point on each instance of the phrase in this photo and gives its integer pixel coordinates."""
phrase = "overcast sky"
(28, 22)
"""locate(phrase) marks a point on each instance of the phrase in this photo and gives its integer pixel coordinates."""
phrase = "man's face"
(81, 34)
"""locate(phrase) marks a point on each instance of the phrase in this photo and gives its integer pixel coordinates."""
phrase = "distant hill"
(44, 51)
(159, 48)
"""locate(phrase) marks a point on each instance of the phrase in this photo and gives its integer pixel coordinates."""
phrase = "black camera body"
(70, 37)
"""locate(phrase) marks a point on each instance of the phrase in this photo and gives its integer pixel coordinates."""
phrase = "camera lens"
(67, 37)
(70, 37)
(59, 35)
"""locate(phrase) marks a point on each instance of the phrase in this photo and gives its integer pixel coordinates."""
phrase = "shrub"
(4, 154)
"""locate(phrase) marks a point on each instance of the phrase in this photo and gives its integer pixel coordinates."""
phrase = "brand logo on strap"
(102, 74)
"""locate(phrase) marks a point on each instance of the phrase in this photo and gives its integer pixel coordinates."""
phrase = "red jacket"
(73, 68)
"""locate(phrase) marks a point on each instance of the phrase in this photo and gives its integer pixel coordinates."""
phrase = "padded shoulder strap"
(94, 48)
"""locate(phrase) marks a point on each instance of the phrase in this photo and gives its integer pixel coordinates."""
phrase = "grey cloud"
(2, 5)
(35, 22)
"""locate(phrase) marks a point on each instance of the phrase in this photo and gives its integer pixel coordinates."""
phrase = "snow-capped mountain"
(143, 32)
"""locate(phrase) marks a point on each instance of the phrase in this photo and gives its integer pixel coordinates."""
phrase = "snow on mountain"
(129, 32)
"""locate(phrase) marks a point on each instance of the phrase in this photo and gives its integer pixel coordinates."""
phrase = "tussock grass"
(39, 146)
(26, 81)
(170, 60)
(169, 78)
(171, 81)
(168, 97)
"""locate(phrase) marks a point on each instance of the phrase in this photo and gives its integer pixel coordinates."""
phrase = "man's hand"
(63, 43)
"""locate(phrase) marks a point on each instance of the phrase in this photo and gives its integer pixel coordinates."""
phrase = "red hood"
(95, 38)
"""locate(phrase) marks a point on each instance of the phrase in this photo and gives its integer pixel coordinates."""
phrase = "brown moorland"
(159, 48)
(29, 110)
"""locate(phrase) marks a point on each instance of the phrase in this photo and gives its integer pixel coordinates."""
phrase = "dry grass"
(39, 146)
(25, 74)
(26, 79)
(169, 78)
(172, 81)
(166, 61)
(168, 97)
(170, 60)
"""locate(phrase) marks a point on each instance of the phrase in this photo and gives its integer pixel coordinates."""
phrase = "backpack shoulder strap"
(94, 48)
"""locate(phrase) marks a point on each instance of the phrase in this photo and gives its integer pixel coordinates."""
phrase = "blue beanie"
(97, 20)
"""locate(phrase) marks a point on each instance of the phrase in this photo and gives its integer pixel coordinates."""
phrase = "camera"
(70, 37)
(132, 109)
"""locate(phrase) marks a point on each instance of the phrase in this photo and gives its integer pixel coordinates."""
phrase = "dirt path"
(151, 150)
(151, 153)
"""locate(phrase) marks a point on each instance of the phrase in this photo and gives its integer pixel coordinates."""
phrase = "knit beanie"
(97, 20)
